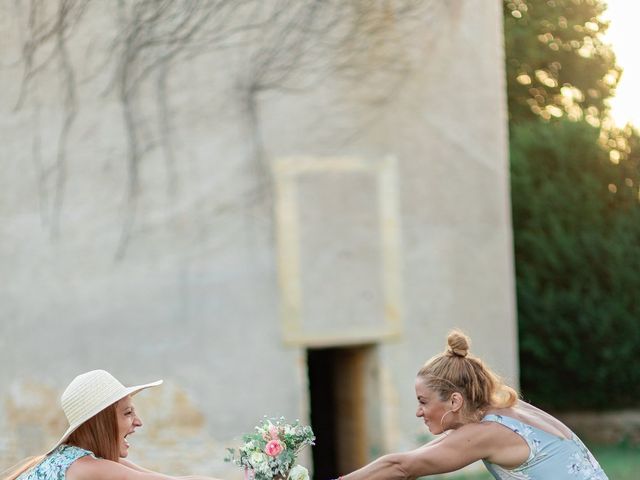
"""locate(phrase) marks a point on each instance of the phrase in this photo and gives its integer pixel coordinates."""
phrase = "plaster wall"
(175, 272)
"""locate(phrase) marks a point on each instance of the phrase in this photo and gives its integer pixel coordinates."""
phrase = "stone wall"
(609, 428)
(142, 215)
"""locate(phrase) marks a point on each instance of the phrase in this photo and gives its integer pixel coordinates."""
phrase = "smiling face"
(431, 408)
(128, 421)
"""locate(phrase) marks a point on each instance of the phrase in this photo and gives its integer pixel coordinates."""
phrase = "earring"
(442, 419)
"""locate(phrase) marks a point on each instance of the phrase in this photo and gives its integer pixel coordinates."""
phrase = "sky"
(624, 35)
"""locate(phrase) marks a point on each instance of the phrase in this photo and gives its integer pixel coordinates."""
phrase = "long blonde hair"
(455, 370)
(99, 435)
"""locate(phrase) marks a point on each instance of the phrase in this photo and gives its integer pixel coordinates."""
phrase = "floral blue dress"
(550, 457)
(55, 465)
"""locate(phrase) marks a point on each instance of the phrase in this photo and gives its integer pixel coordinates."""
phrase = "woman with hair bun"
(482, 419)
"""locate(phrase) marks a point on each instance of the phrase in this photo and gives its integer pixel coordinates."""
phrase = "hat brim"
(122, 394)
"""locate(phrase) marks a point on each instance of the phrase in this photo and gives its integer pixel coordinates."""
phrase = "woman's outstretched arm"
(458, 449)
(88, 468)
(130, 464)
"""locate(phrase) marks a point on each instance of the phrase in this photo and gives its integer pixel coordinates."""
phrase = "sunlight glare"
(624, 35)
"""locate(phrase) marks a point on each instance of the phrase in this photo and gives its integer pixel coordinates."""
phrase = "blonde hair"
(456, 371)
(99, 435)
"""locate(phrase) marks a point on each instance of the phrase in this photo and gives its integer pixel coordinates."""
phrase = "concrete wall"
(144, 222)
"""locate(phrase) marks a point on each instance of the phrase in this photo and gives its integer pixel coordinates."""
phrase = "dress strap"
(55, 465)
(527, 432)
(67, 454)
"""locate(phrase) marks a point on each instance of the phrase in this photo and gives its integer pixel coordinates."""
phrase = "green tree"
(556, 61)
(576, 210)
(576, 234)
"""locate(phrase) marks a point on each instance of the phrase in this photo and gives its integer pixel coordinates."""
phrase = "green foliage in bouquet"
(271, 451)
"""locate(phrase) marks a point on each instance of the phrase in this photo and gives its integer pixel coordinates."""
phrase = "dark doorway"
(337, 388)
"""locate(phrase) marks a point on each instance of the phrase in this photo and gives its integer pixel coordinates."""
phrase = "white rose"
(258, 458)
(264, 468)
(299, 473)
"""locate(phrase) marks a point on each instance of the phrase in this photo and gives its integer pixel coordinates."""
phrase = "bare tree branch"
(285, 46)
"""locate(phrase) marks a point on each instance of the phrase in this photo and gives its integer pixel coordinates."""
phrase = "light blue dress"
(55, 465)
(550, 458)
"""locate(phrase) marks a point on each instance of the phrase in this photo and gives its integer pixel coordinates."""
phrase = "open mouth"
(126, 442)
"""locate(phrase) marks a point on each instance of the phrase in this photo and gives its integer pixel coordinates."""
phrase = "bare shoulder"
(477, 427)
(535, 417)
(90, 468)
(484, 437)
(479, 430)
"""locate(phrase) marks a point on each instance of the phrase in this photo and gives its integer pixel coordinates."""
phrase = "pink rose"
(273, 432)
(273, 448)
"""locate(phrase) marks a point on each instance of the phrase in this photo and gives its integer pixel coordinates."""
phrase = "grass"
(620, 462)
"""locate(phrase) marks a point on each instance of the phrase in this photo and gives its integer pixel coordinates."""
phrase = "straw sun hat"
(90, 393)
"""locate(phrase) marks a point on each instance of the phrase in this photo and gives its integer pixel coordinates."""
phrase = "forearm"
(388, 467)
(196, 477)
(138, 468)
(133, 466)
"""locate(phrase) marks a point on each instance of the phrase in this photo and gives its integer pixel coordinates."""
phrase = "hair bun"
(458, 344)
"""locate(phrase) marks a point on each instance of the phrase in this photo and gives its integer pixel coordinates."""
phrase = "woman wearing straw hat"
(101, 415)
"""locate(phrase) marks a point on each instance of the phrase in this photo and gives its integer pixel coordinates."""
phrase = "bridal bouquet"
(270, 452)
